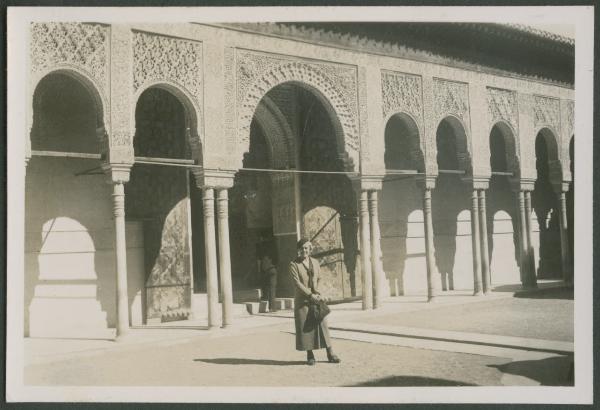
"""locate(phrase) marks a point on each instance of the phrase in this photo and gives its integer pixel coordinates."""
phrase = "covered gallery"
(163, 161)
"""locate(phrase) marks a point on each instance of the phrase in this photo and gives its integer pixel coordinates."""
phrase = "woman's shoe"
(333, 359)
(310, 358)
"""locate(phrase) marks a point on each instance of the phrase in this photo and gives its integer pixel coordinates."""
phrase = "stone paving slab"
(423, 335)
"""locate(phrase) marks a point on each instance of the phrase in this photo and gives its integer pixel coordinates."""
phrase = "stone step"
(199, 309)
(246, 295)
(257, 307)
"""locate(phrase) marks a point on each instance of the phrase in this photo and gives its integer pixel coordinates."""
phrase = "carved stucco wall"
(174, 63)
(78, 49)
(452, 99)
(502, 108)
(403, 93)
(257, 73)
(568, 132)
(546, 114)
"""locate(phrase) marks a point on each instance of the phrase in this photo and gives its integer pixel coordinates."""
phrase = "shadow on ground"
(238, 361)
(551, 293)
(552, 371)
(409, 381)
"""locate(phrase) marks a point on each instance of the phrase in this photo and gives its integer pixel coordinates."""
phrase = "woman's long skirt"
(309, 334)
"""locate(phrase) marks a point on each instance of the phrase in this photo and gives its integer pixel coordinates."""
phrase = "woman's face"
(306, 250)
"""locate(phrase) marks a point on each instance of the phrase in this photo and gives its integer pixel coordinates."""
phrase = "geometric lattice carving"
(451, 98)
(167, 59)
(81, 46)
(402, 93)
(257, 73)
(570, 120)
(546, 112)
(502, 106)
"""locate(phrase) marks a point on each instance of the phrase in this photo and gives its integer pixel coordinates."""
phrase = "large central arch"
(306, 76)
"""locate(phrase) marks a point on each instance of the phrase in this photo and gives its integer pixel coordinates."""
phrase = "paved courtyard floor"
(503, 339)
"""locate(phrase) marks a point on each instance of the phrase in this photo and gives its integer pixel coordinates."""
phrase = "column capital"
(478, 181)
(117, 173)
(562, 187)
(522, 184)
(426, 182)
(222, 178)
(372, 182)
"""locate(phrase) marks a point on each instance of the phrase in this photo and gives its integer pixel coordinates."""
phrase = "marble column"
(564, 239)
(532, 279)
(431, 280)
(224, 256)
(118, 198)
(212, 288)
(477, 290)
(376, 264)
(485, 254)
(524, 247)
(365, 252)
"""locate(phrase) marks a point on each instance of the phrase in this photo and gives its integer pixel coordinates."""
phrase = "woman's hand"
(315, 297)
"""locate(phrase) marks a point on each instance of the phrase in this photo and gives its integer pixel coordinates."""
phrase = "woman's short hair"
(301, 242)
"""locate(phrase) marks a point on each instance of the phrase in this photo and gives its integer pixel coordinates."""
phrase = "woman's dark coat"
(309, 335)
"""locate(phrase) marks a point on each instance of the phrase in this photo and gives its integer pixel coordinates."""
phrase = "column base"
(432, 299)
(478, 293)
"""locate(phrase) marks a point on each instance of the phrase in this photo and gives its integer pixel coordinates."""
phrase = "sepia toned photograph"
(285, 205)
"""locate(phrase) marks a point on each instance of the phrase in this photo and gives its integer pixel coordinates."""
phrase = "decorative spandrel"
(82, 45)
(402, 93)
(167, 59)
(546, 112)
(257, 73)
(451, 98)
(502, 106)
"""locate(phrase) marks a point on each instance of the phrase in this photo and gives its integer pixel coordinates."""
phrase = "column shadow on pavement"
(409, 381)
(238, 361)
(552, 371)
(565, 293)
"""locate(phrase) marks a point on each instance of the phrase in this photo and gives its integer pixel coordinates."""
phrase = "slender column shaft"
(485, 254)
(475, 241)
(224, 256)
(365, 252)
(524, 260)
(118, 197)
(376, 266)
(297, 206)
(532, 279)
(564, 239)
(211, 256)
(431, 283)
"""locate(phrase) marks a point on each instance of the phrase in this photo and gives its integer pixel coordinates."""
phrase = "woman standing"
(310, 335)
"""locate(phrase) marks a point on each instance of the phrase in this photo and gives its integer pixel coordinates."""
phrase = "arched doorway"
(401, 209)
(546, 206)
(502, 216)
(158, 202)
(450, 198)
(69, 254)
(292, 128)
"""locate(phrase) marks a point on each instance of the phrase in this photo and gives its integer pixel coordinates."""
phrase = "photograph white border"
(18, 19)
